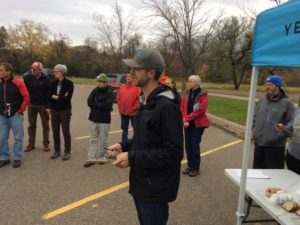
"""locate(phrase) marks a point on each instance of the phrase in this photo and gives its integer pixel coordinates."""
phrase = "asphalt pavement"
(56, 192)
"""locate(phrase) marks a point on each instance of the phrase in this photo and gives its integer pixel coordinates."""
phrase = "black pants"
(151, 213)
(61, 118)
(193, 137)
(267, 157)
(292, 163)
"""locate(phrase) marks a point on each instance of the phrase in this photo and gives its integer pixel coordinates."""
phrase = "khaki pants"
(33, 111)
(98, 139)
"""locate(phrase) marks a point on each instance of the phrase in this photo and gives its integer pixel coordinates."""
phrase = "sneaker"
(88, 164)
(55, 155)
(187, 170)
(29, 148)
(193, 173)
(4, 162)
(17, 163)
(46, 147)
(67, 156)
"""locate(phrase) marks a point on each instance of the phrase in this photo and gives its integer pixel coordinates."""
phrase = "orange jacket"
(128, 99)
(163, 78)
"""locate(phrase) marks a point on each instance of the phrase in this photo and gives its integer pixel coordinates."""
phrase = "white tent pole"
(252, 95)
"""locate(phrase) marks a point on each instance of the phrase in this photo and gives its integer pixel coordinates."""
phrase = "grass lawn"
(230, 109)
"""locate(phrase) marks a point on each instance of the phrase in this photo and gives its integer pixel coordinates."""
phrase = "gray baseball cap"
(148, 59)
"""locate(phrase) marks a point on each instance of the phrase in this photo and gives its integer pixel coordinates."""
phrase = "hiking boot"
(88, 164)
(46, 147)
(17, 163)
(193, 173)
(187, 170)
(67, 156)
(29, 148)
(4, 162)
(55, 155)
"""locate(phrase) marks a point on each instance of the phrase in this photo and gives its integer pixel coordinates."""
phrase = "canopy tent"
(276, 44)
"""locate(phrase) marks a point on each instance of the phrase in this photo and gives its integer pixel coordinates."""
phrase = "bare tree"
(234, 43)
(182, 21)
(278, 2)
(248, 8)
(58, 50)
(113, 32)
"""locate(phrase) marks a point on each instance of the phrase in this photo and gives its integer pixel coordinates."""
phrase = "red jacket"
(128, 99)
(199, 113)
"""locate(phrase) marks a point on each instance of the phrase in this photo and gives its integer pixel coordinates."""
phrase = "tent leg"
(240, 213)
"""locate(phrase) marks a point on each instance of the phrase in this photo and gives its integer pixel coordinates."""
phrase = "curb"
(231, 127)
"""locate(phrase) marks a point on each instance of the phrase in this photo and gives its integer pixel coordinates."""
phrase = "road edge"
(231, 127)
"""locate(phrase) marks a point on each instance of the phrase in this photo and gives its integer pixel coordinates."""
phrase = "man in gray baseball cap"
(156, 149)
(147, 59)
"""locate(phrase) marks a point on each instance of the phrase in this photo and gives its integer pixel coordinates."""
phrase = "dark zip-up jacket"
(14, 96)
(156, 150)
(64, 97)
(268, 113)
(38, 89)
(100, 102)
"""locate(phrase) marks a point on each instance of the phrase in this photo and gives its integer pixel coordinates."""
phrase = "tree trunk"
(184, 78)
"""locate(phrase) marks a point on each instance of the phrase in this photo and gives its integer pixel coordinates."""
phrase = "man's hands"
(55, 97)
(48, 111)
(122, 160)
(114, 150)
(279, 127)
(122, 157)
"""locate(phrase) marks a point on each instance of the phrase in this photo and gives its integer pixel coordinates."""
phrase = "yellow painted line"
(111, 132)
(216, 149)
(85, 200)
(118, 187)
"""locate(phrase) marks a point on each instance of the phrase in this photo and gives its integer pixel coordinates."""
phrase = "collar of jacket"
(277, 97)
(161, 91)
(202, 92)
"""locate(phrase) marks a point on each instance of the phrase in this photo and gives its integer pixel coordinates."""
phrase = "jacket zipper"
(4, 96)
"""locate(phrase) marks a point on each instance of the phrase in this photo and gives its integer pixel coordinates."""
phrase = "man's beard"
(271, 94)
(141, 82)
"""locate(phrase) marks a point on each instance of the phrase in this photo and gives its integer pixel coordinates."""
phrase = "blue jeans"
(193, 137)
(150, 213)
(15, 123)
(125, 125)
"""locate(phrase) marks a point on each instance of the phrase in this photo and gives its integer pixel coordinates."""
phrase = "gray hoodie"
(294, 141)
(268, 113)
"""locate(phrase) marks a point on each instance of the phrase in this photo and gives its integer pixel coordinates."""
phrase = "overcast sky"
(74, 17)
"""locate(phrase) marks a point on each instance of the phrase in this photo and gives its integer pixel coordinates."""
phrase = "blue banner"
(277, 36)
